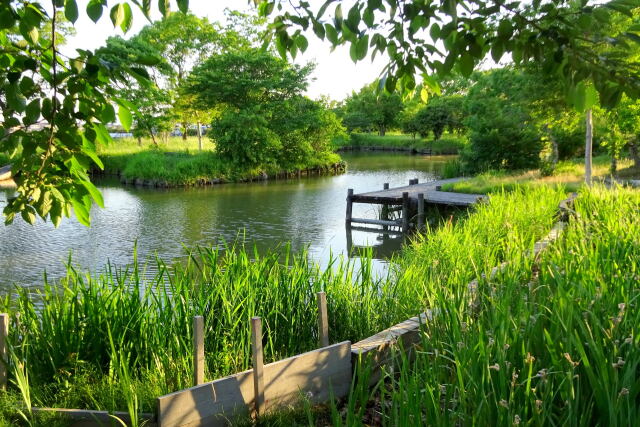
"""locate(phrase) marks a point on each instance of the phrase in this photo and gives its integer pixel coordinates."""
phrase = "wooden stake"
(198, 350)
(385, 186)
(405, 212)
(4, 349)
(258, 364)
(420, 211)
(323, 321)
(349, 206)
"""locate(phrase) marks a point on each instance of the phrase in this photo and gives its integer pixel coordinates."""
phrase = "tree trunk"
(199, 137)
(554, 151)
(633, 150)
(588, 147)
(382, 130)
(184, 130)
(139, 141)
(153, 138)
(614, 164)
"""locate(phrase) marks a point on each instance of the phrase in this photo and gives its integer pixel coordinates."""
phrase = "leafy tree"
(264, 120)
(440, 114)
(502, 134)
(368, 108)
(55, 108)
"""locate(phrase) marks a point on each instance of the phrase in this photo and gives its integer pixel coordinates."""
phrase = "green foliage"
(55, 108)
(559, 36)
(264, 121)
(499, 120)
(368, 109)
(441, 113)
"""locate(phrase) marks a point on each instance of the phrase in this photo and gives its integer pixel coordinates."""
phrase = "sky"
(335, 75)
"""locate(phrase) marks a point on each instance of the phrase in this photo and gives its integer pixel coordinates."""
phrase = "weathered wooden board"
(313, 375)
(89, 418)
(377, 349)
(209, 404)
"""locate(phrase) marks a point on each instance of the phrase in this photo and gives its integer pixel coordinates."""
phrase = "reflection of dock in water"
(390, 242)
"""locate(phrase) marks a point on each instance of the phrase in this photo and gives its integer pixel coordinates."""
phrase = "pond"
(308, 212)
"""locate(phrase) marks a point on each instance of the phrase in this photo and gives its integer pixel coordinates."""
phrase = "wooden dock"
(410, 200)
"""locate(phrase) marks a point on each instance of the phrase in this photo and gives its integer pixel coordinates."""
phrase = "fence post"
(258, 364)
(420, 211)
(198, 350)
(323, 321)
(4, 349)
(405, 212)
(349, 206)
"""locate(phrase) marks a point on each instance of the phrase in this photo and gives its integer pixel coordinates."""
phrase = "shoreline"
(332, 169)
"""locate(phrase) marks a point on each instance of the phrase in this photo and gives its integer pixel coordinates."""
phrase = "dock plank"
(429, 189)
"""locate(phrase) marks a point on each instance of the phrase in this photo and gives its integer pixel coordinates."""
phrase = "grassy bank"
(448, 144)
(569, 173)
(180, 162)
(554, 341)
(98, 342)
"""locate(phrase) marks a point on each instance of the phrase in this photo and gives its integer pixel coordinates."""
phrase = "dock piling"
(198, 350)
(258, 364)
(323, 321)
(420, 211)
(405, 212)
(349, 206)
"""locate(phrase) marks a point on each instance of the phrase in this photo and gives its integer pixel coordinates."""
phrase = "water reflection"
(307, 212)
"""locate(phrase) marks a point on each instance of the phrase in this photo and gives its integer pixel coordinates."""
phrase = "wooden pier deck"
(407, 198)
(429, 189)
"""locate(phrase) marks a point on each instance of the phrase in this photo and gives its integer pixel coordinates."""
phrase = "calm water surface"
(308, 212)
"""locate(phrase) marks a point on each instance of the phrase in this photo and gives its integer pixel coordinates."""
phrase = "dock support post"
(323, 321)
(349, 206)
(385, 208)
(198, 350)
(405, 212)
(258, 364)
(420, 211)
(4, 350)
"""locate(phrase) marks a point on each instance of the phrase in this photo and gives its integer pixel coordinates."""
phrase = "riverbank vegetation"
(132, 333)
(448, 144)
(551, 340)
(569, 173)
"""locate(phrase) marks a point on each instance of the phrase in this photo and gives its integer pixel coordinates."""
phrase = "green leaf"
(126, 119)
(165, 7)
(318, 29)
(81, 209)
(505, 29)
(128, 18)
(368, 17)
(497, 50)
(7, 18)
(71, 10)
(302, 43)
(94, 10)
(183, 5)
(94, 192)
(117, 15)
(32, 112)
(28, 215)
(466, 64)
(362, 45)
(332, 34)
(584, 96)
(30, 33)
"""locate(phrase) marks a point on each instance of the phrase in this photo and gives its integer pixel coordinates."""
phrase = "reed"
(117, 340)
(554, 340)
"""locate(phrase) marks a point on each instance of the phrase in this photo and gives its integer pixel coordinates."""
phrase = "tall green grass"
(554, 341)
(122, 338)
